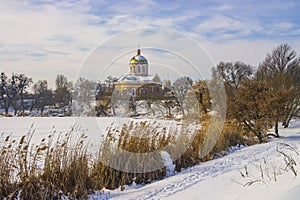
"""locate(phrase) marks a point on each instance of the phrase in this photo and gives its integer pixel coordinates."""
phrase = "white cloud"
(283, 26)
(135, 7)
(295, 32)
(225, 27)
(250, 52)
(224, 7)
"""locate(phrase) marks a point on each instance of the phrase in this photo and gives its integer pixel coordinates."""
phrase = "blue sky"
(42, 38)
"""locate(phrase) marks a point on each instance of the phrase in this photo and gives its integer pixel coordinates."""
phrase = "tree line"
(258, 99)
(14, 93)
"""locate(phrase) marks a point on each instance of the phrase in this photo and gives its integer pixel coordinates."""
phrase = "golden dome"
(133, 60)
(138, 58)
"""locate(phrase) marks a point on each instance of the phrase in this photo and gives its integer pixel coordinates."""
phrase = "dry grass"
(62, 165)
(44, 170)
(233, 134)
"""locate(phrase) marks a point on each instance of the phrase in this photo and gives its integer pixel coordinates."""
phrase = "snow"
(94, 128)
(291, 194)
(168, 163)
(219, 179)
(130, 78)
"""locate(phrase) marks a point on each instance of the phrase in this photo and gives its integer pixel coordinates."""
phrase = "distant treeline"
(14, 93)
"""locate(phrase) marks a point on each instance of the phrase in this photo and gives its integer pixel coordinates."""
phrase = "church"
(136, 86)
(138, 82)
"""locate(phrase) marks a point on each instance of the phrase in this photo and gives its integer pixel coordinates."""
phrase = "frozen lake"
(94, 128)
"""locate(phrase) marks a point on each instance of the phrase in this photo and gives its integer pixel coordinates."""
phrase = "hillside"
(255, 172)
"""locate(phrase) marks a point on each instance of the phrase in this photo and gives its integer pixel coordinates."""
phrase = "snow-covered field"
(221, 179)
(255, 172)
(93, 127)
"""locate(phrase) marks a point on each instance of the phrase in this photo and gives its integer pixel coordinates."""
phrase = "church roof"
(130, 78)
(138, 58)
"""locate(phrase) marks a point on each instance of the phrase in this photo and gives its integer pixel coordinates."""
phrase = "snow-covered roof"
(130, 78)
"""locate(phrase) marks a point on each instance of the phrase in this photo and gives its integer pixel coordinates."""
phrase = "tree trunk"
(42, 109)
(15, 110)
(276, 130)
(6, 106)
(34, 104)
(260, 137)
(22, 102)
(287, 122)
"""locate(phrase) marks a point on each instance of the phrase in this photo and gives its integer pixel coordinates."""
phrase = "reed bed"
(61, 165)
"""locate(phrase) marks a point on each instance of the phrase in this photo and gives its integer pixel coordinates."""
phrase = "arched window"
(143, 70)
(139, 69)
(143, 92)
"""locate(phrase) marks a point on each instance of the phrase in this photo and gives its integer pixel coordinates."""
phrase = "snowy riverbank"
(255, 172)
(222, 179)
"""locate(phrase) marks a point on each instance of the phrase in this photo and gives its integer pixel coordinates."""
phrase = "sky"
(43, 38)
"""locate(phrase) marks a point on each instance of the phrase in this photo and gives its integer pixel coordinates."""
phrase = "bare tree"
(280, 69)
(63, 90)
(3, 92)
(233, 73)
(22, 82)
(281, 60)
(84, 97)
(13, 89)
(180, 88)
(110, 81)
(42, 95)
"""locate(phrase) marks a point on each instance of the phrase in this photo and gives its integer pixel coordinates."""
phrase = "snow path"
(223, 174)
(234, 161)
